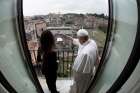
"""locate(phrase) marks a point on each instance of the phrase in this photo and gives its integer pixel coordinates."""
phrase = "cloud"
(34, 7)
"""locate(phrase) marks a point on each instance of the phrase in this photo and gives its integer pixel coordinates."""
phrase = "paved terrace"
(63, 85)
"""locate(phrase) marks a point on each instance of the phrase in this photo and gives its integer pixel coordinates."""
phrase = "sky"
(43, 7)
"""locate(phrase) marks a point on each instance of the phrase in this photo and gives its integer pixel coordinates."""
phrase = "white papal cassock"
(84, 65)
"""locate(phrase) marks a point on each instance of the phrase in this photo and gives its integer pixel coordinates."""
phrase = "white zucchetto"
(82, 32)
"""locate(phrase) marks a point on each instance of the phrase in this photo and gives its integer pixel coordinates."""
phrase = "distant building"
(89, 22)
(62, 30)
(54, 19)
(34, 27)
(40, 27)
(57, 31)
(101, 22)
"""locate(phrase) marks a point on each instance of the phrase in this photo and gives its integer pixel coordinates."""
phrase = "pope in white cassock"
(85, 63)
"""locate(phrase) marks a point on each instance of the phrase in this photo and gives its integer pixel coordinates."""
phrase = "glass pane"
(64, 17)
(125, 28)
(2, 89)
(12, 60)
(133, 83)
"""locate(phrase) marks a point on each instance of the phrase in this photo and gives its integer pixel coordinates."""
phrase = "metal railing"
(65, 59)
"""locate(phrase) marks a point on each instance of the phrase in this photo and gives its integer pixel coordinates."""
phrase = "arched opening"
(64, 17)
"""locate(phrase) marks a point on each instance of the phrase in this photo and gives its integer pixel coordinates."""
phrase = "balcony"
(65, 59)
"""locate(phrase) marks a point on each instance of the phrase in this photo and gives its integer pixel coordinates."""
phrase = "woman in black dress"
(49, 67)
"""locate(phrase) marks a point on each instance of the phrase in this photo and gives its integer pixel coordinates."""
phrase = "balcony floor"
(63, 85)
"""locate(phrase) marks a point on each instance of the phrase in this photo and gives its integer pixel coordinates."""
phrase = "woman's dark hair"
(47, 41)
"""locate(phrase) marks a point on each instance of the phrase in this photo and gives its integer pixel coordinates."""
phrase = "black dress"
(49, 69)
